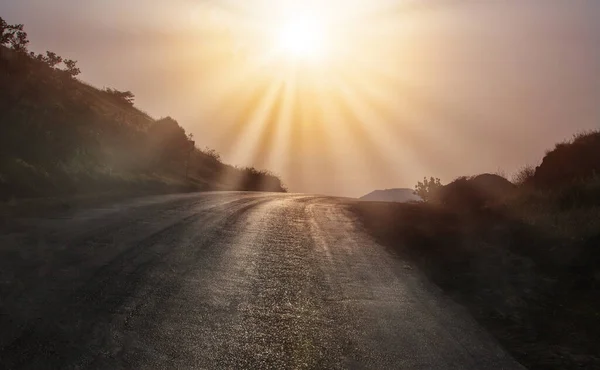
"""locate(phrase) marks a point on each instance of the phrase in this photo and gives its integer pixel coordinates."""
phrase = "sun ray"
(421, 131)
(338, 86)
(253, 128)
(240, 110)
(281, 154)
(334, 156)
(363, 125)
(379, 107)
(270, 125)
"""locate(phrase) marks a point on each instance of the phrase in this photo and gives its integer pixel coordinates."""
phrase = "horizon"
(509, 92)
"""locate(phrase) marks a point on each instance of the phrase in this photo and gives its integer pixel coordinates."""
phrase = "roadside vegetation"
(522, 256)
(61, 136)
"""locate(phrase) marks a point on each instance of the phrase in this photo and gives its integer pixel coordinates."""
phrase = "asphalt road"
(228, 280)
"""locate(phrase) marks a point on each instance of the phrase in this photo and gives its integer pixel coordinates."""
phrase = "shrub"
(427, 189)
(475, 192)
(122, 97)
(575, 160)
(524, 176)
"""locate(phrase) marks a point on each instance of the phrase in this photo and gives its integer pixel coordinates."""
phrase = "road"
(223, 280)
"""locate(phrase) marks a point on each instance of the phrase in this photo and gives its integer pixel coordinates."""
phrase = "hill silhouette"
(61, 136)
(402, 195)
(475, 191)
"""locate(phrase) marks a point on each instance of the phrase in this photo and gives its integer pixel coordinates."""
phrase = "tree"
(427, 189)
(38, 57)
(71, 66)
(13, 36)
(7, 32)
(51, 59)
(4, 32)
(19, 42)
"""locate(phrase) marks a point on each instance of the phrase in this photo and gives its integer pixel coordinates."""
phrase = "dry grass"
(527, 270)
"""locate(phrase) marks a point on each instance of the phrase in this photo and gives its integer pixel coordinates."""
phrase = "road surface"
(223, 280)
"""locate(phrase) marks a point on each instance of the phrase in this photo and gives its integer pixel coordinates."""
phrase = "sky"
(411, 88)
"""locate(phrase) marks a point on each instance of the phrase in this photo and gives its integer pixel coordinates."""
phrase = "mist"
(480, 86)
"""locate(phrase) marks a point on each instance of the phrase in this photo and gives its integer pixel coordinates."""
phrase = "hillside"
(401, 195)
(61, 136)
(524, 258)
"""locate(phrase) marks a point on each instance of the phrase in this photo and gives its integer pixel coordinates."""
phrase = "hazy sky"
(443, 88)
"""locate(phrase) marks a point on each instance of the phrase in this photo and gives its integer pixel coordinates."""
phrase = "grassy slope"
(529, 274)
(60, 136)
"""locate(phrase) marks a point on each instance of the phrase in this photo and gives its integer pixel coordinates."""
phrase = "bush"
(575, 160)
(524, 176)
(260, 180)
(471, 193)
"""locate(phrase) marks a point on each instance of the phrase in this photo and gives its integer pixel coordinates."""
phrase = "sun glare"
(302, 38)
(305, 76)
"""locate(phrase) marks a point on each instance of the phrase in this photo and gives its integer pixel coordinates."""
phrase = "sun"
(302, 38)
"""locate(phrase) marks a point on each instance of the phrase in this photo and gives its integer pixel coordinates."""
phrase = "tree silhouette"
(71, 66)
(38, 57)
(19, 42)
(7, 31)
(51, 59)
(13, 36)
(428, 188)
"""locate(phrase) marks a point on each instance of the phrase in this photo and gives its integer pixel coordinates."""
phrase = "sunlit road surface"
(229, 280)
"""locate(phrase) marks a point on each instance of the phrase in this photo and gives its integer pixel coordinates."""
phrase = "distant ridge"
(401, 195)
